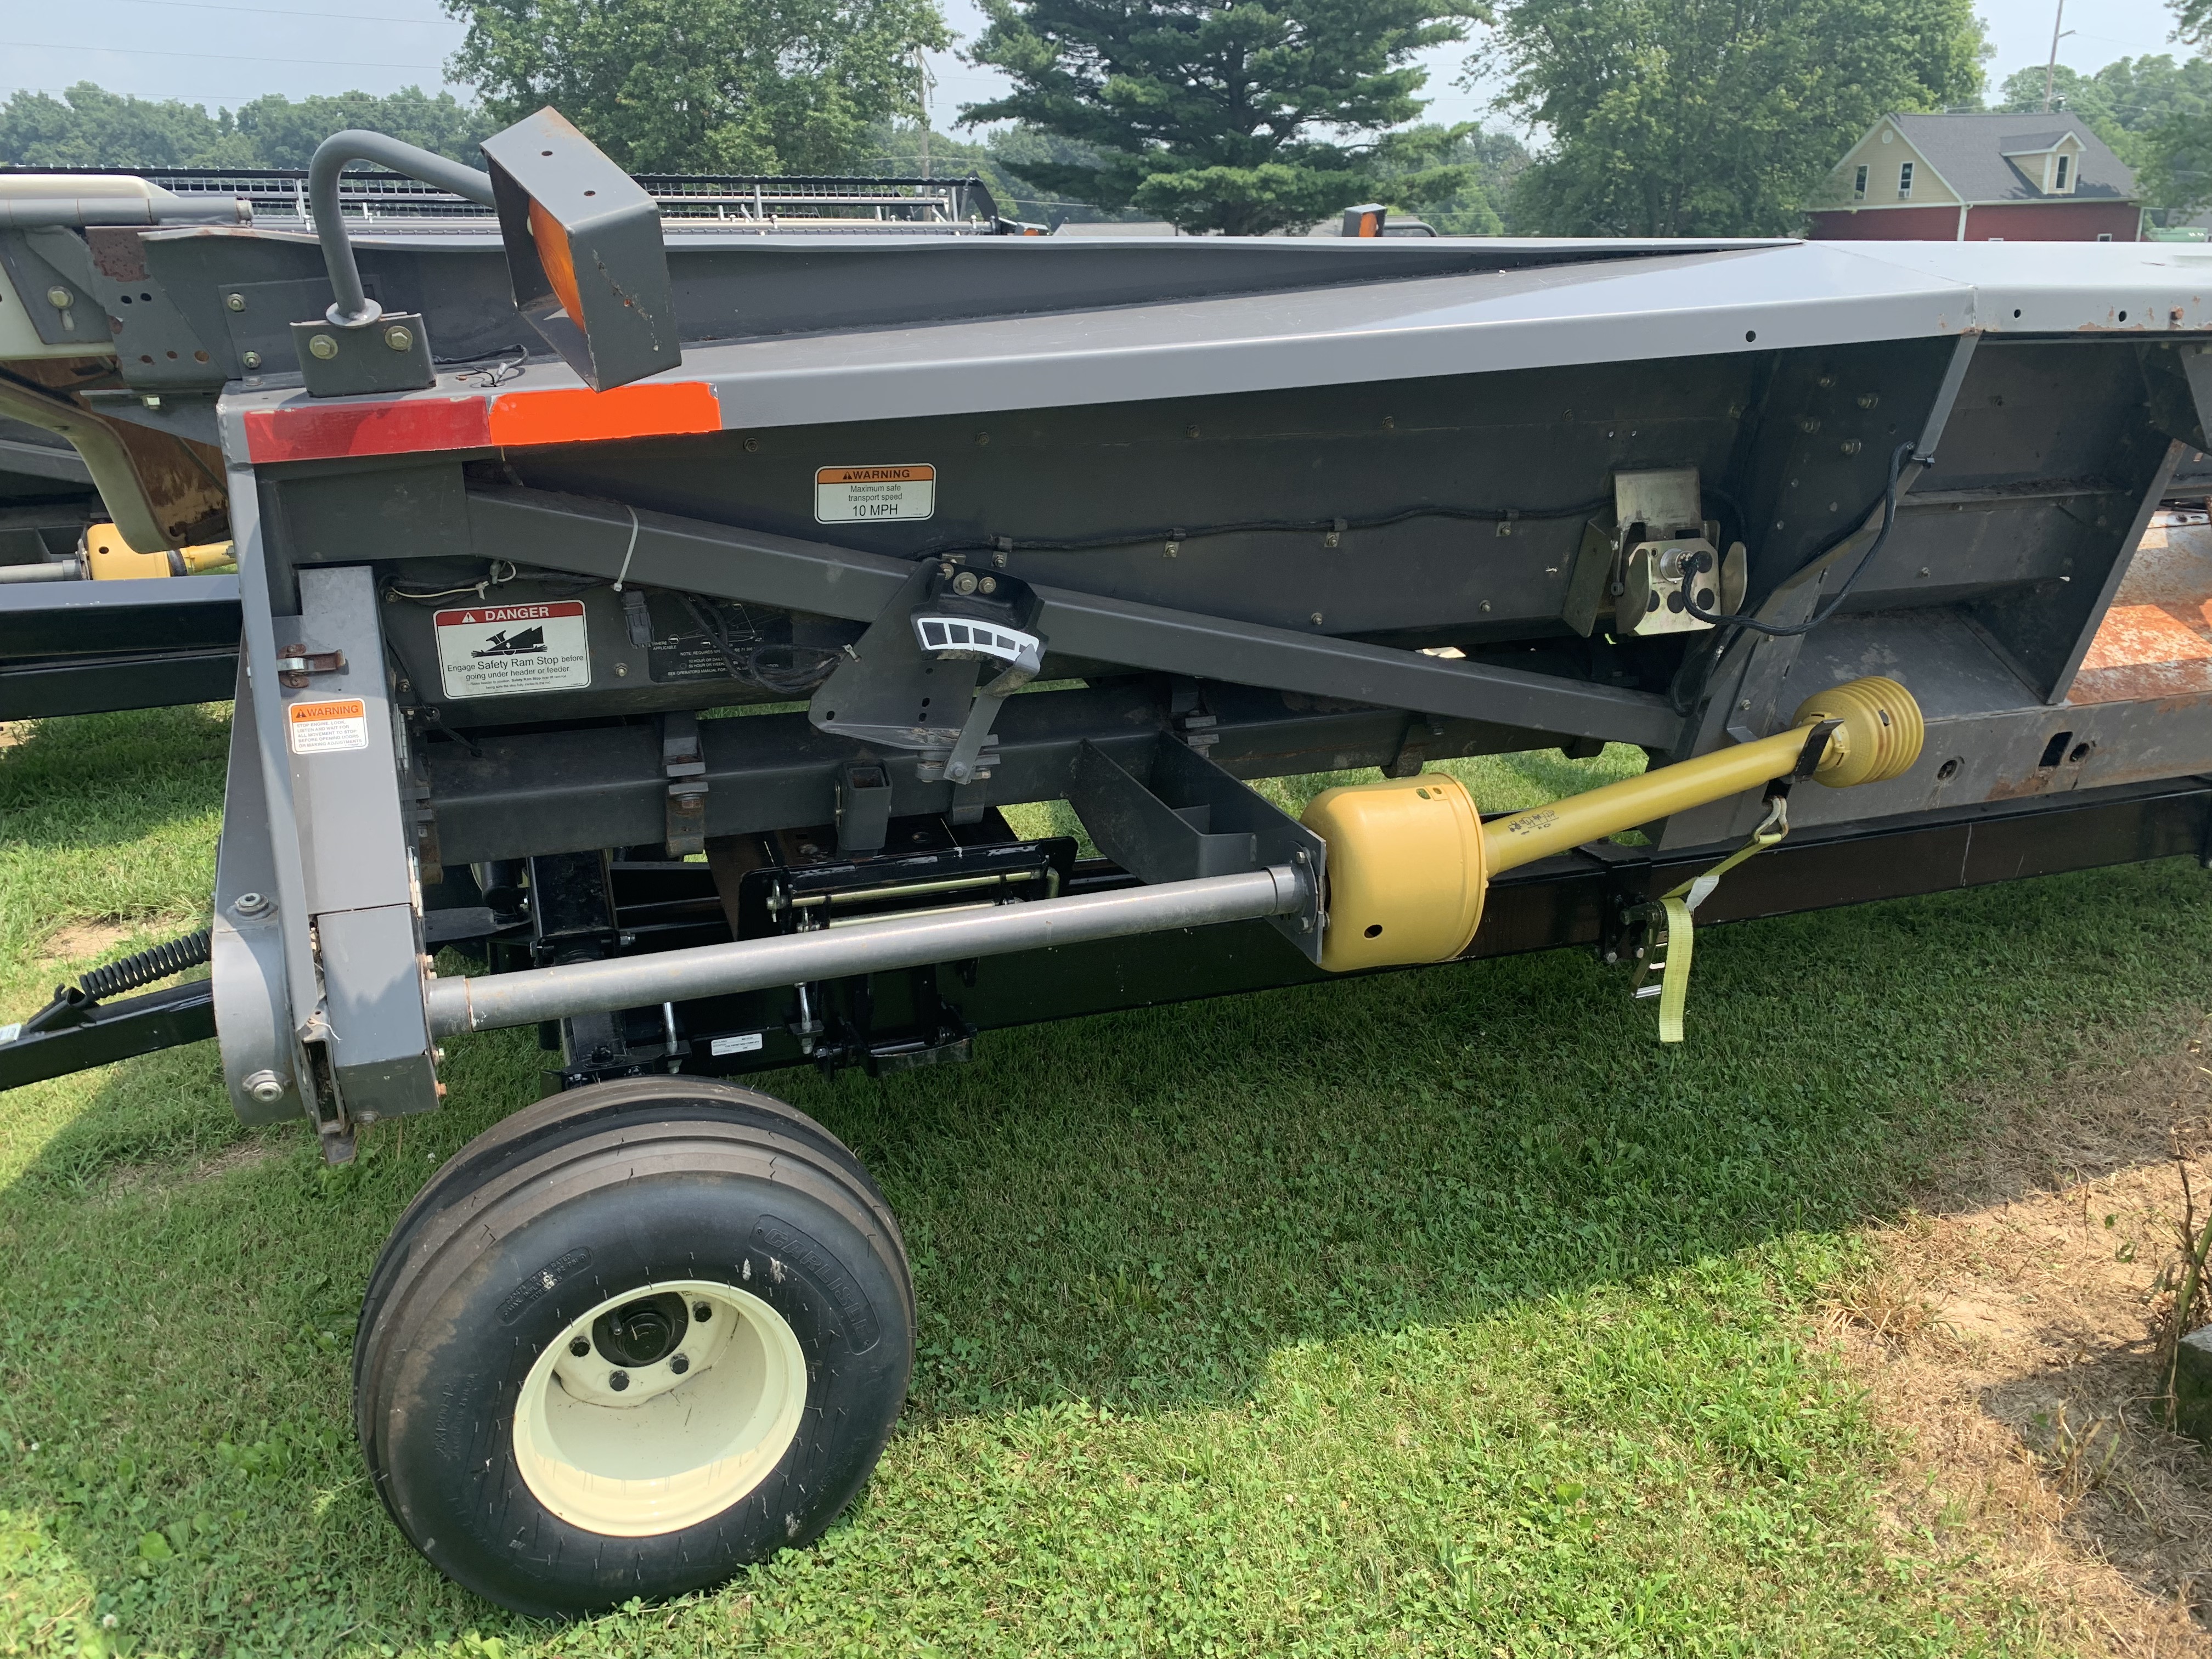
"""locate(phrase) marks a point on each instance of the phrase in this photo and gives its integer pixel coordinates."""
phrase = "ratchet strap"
(1679, 907)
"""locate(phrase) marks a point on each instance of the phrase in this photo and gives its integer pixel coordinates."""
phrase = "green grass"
(1441, 1312)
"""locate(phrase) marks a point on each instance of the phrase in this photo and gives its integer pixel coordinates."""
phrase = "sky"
(227, 53)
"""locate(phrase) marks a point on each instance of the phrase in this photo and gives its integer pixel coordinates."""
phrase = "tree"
(283, 134)
(1460, 180)
(704, 86)
(91, 127)
(1235, 116)
(1690, 118)
(999, 161)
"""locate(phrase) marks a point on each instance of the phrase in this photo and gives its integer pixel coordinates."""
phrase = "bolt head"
(988, 584)
(1316, 616)
(323, 346)
(249, 359)
(579, 1346)
(679, 1363)
(235, 302)
(619, 1380)
(399, 338)
(60, 298)
(252, 904)
(265, 1087)
(703, 1311)
(965, 582)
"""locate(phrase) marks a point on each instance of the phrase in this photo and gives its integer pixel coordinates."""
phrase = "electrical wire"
(492, 578)
(745, 659)
(1780, 631)
(1259, 526)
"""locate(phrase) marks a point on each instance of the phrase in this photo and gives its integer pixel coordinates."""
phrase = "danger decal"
(862, 494)
(507, 650)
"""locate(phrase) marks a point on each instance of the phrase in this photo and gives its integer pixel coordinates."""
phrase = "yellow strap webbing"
(1680, 906)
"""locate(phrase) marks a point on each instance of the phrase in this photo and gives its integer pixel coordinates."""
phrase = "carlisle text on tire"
(630, 1339)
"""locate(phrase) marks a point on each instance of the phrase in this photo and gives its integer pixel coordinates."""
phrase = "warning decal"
(504, 650)
(319, 728)
(860, 495)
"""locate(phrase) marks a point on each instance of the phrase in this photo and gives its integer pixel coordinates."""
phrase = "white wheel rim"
(677, 1443)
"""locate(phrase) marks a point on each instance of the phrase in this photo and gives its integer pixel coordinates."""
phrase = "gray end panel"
(373, 984)
(261, 1060)
(354, 841)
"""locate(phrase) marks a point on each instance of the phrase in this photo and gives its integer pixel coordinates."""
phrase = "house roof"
(1971, 153)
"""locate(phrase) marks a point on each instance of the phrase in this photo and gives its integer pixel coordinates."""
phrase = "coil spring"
(160, 963)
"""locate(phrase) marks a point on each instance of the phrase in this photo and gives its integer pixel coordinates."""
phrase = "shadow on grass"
(97, 780)
(1142, 1210)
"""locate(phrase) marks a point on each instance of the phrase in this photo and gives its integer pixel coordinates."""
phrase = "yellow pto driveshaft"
(1409, 858)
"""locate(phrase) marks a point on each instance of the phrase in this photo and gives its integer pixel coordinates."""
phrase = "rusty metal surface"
(2155, 642)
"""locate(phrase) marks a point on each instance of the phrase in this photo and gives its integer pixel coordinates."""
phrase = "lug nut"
(703, 1311)
(579, 1347)
(680, 1364)
(619, 1380)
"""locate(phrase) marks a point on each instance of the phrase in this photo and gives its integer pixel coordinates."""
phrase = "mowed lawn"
(1442, 1312)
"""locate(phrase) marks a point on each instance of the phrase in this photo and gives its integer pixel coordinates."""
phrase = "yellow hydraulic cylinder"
(1409, 858)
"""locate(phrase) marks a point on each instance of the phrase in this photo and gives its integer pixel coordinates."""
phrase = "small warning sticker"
(504, 650)
(745, 1042)
(860, 494)
(321, 728)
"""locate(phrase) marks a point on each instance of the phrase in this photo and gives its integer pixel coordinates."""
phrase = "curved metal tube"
(354, 308)
(532, 994)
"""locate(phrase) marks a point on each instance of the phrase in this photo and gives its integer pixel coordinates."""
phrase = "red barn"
(1979, 179)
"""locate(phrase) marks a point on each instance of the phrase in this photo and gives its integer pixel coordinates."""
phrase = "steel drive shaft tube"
(526, 997)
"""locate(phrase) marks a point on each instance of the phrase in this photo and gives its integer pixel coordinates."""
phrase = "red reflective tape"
(313, 432)
(652, 409)
(513, 420)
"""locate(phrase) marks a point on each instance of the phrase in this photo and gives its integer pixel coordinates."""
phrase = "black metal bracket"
(110, 1031)
(1187, 819)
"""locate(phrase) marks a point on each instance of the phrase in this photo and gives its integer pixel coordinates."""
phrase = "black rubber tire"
(584, 1196)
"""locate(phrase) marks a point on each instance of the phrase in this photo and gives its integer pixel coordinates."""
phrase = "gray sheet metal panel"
(1673, 305)
(1991, 728)
(253, 1007)
(372, 974)
(258, 657)
(352, 843)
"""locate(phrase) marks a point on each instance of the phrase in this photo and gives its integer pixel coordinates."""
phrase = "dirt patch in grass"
(131, 1179)
(2009, 1329)
(82, 941)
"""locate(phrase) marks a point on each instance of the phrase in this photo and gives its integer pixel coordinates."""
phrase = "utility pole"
(2051, 68)
(928, 85)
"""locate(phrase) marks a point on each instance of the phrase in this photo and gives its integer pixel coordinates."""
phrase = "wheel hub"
(649, 1414)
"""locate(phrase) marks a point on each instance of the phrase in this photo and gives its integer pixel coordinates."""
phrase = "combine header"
(532, 498)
